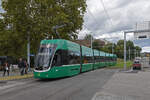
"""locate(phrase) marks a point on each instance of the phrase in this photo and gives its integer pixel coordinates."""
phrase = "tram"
(62, 58)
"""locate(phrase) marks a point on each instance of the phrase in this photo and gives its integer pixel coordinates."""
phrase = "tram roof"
(63, 44)
(68, 45)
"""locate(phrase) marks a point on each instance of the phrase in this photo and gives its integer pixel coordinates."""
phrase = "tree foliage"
(130, 49)
(36, 18)
(117, 48)
(88, 37)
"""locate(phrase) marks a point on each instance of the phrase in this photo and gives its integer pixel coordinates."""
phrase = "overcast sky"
(122, 15)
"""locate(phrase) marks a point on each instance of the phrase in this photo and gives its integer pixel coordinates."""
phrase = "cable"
(89, 30)
(105, 10)
(92, 16)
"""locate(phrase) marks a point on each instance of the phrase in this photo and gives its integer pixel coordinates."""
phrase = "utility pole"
(91, 42)
(112, 48)
(125, 67)
(28, 50)
(134, 53)
(129, 54)
(149, 26)
(28, 44)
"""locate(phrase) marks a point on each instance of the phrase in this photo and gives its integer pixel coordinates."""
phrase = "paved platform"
(15, 75)
(126, 86)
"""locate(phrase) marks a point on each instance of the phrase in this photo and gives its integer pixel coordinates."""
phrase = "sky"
(117, 16)
(110, 21)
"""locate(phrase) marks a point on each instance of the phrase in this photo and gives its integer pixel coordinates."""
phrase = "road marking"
(10, 86)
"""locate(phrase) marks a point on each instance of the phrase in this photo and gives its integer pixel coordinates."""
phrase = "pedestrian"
(21, 66)
(26, 67)
(6, 68)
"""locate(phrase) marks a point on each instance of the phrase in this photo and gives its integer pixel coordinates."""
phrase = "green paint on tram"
(62, 58)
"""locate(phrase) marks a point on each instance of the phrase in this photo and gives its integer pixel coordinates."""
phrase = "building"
(88, 42)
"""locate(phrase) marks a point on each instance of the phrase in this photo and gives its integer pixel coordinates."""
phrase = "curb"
(16, 77)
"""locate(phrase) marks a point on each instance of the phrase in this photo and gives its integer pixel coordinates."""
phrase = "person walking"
(26, 67)
(21, 66)
(6, 68)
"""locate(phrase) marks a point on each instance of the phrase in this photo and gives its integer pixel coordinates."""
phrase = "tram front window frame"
(44, 56)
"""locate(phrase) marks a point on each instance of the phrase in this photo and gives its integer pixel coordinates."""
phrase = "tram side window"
(87, 59)
(64, 57)
(105, 59)
(57, 59)
(111, 59)
(108, 58)
(114, 59)
(73, 57)
(61, 58)
(96, 58)
(101, 59)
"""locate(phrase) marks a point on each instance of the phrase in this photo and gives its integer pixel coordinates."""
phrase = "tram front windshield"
(44, 56)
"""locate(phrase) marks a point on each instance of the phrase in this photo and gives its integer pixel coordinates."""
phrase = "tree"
(138, 50)
(96, 45)
(37, 18)
(119, 49)
(88, 37)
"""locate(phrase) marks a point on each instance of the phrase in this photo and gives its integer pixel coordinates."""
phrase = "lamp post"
(91, 44)
(28, 51)
(125, 51)
(112, 48)
(28, 41)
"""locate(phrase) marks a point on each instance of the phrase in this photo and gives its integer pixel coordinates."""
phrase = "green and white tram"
(61, 58)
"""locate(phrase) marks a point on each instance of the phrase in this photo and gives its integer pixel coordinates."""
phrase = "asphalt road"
(80, 87)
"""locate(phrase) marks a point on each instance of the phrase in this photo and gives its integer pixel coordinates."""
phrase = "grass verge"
(120, 64)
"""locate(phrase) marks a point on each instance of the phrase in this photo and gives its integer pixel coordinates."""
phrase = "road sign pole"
(125, 51)
(91, 42)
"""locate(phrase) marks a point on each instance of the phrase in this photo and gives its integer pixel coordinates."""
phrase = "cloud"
(83, 33)
(124, 15)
